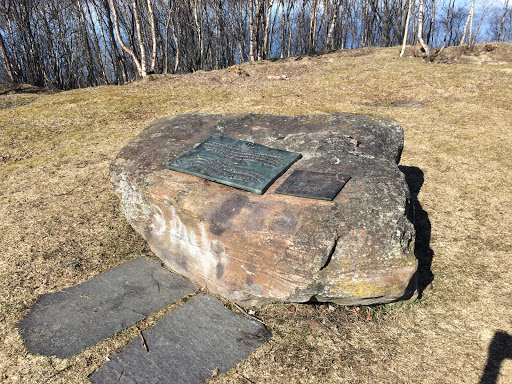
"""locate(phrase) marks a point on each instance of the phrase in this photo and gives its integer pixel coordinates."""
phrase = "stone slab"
(313, 185)
(241, 164)
(66, 322)
(186, 346)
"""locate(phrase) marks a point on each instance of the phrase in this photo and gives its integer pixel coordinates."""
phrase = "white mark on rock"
(246, 270)
(337, 161)
(160, 226)
(204, 253)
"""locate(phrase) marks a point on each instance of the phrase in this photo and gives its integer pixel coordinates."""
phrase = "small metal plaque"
(240, 164)
(313, 185)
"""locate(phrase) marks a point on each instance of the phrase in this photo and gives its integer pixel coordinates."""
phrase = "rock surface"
(252, 249)
(66, 322)
(190, 345)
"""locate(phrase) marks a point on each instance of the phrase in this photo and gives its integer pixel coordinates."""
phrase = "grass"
(60, 223)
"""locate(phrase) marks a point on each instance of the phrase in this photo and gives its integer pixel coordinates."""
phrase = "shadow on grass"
(417, 215)
(499, 350)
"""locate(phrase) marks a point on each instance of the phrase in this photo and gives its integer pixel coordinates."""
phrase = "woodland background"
(66, 44)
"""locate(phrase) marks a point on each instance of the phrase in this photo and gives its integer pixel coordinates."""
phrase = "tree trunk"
(329, 39)
(470, 16)
(252, 55)
(273, 27)
(414, 31)
(432, 20)
(420, 27)
(266, 36)
(290, 31)
(52, 51)
(284, 18)
(502, 24)
(5, 58)
(199, 29)
(98, 48)
(117, 58)
(470, 37)
(260, 19)
(241, 35)
(151, 18)
(166, 42)
(406, 30)
(451, 4)
(140, 70)
(218, 10)
(91, 75)
(342, 40)
(364, 24)
(142, 49)
(312, 28)
(480, 23)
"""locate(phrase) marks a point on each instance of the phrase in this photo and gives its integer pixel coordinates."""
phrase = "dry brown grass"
(60, 223)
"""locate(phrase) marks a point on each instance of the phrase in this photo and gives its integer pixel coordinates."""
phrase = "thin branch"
(247, 315)
(244, 378)
(143, 340)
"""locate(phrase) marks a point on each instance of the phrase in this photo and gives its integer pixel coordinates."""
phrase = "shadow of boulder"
(414, 179)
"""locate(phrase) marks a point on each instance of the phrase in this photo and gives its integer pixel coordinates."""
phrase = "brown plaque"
(313, 185)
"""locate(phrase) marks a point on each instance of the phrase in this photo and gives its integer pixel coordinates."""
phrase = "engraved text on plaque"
(240, 164)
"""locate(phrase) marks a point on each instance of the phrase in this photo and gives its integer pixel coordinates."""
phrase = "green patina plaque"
(237, 163)
(313, 185)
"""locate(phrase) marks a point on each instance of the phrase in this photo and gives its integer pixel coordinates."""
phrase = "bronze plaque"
(313, 185)
(237, 163)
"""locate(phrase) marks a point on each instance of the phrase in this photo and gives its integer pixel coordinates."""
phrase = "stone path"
(185, 346)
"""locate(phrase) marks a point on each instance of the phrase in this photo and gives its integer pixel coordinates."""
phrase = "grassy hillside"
(60, 223)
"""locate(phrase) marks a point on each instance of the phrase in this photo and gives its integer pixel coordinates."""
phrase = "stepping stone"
(66, 322)
(186, 346)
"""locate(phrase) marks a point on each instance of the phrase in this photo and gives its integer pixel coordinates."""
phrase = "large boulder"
(254, 249)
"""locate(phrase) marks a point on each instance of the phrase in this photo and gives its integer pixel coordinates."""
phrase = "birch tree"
(151, 18)
(420, 28)
(468, 20)
(76, 43)
(266, 34)
(140, 69)
(406, 29)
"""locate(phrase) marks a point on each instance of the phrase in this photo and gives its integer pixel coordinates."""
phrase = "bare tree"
(420, 28)
(482, 16)
(76, 43)
(151, 18)
(502, 23)
(253, 28)
(404, 42)
(312, 27)
(141, 70)
(334, 10)
(432, 23)
(468, 20)
(266, 34)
